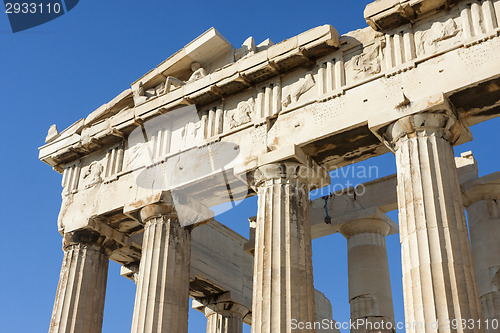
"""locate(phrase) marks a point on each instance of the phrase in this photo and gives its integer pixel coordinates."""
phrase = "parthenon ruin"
(214, 125)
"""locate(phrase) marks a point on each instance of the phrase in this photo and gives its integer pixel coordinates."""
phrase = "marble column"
(438, 275)
(79, 304)
(370, 295)
(283, 288)
(225, 317)
(482, 202)
(162, 296)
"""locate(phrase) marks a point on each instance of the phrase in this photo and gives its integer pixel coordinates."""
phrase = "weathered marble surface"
(197, 127)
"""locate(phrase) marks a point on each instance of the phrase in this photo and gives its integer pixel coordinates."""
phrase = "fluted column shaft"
(283, 277)
(438, 276)
(484, 226)
(79, 304)
(370, 295)
(162, 296)
(220, 323)
(225, 317)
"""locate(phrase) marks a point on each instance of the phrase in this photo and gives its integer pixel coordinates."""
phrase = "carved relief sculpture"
(428, 41)
(242, 114)
(141, 95)
(247, 49)
(294, 96)
(198, 73)
(93, 174)
(137, 156)
(190, 133)
(368, 62)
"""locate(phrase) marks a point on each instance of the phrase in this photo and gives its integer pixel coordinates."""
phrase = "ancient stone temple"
(214, 124)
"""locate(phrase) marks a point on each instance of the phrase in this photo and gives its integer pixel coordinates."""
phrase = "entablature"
(328, 109)
(316, 70)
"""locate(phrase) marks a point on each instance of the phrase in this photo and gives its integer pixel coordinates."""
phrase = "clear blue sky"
(63, 70)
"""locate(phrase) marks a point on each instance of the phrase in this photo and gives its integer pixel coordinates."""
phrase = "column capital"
(83, 236)
(223, 314)
(424, 124)
(484, 188)
(175, 204)
(157, 210)
(90, 238)
(226, 308)
(313, 176)
(421, 117)
(367, 220)
(130, 271)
